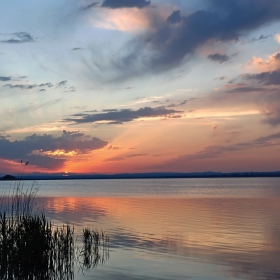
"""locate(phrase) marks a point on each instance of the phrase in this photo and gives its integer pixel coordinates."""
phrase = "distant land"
(163, 175)
(8, 178)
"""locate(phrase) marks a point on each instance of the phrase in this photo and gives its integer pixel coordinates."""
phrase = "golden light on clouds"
(270, 64)
(127, 19)
(57, 152)
(277, 37)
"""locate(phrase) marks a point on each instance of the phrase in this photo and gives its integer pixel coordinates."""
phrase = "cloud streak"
(122, 158)
(117, 4)
(20, 86)
(216, 57)
(5, 79)
(87, 7)
(20, 37)
(114, 116)
(266, 78)
(217, 151)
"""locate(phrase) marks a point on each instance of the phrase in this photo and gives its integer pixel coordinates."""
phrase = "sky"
(135, 86)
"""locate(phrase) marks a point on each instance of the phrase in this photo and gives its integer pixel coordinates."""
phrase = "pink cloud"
(270, 64)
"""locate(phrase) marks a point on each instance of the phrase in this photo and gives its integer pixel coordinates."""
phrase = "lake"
(173, 228)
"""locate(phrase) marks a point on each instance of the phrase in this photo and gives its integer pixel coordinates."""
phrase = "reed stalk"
(32, 248)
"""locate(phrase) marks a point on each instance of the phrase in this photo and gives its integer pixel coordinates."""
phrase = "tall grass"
(32, 248)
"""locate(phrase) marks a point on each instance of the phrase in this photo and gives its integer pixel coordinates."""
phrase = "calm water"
(174, 228)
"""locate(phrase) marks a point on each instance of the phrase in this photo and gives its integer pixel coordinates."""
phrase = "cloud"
(258, 92)
(89, 6)
(266, 78)
(261, 38)
(121, 158)
(221, 78)
(19, 37)
(62, 83)
(167, 45)
(134, 20)
(4, 79)
(21, 86)
(277, 37)
(216, 57)
(271, 110)
(111, 147)
(175, 17)
(76, 49)
(24, 86)
(48, 151)
(46, 85)
(115, 4)
(70, 89)
(246, 89)
(216, 151)
(3, 135)
(272, 63)
(121, 116)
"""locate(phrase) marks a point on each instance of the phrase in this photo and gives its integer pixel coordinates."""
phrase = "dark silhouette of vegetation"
(32, 248)
(95, 249)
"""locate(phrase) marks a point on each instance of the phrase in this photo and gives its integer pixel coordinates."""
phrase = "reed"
(32, 248)
(94, 249)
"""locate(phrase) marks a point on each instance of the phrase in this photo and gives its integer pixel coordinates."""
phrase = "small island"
(8, 178)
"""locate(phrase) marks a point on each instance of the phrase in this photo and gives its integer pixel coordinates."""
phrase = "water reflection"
(240, 235)
(31, 247)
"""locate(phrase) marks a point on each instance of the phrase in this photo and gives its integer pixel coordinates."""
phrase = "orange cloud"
(127, 19)
(270, 64)
(277, 37)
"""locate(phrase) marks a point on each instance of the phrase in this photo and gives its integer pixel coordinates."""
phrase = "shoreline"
(145, 176)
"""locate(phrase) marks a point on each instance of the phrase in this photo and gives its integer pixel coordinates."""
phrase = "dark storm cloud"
(175, 17)
(125, 115)
(33, 147)
(165, 46)
(216, 57)
(266, 78)
(19, 37)
(4, 79)
(115, 4)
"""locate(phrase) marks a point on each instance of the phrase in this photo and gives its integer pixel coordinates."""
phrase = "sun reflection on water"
(241, 234)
